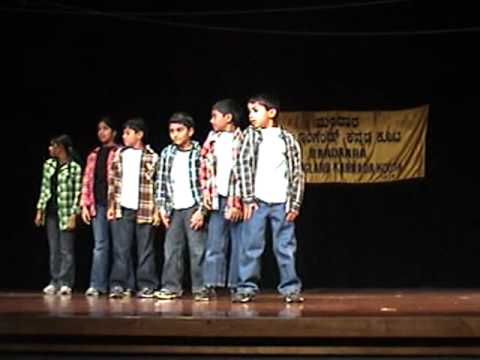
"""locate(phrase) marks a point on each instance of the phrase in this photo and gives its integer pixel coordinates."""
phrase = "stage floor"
(334, 322)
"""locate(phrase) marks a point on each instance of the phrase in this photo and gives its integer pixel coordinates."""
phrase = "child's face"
(220, 121)
(180, 134)
(105, 133)
(259, 116)
(53, 149)
(131, 137)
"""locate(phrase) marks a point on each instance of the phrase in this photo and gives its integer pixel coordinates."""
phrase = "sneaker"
(50, 289)
(91, 291)
(128, 292)
(65, 290)
(293, 298)
(242, 297)
(117, 292)
(145, 293)
(206, 294)
(165, 294)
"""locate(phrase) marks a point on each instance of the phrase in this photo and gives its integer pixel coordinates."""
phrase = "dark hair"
(137, 124)
(66, 141)
(108, 121)
(182, 118)
(229, 106)
(270, 101)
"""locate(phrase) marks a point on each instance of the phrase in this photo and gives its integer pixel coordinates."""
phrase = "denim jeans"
(125, 230)
(223, 238)
(178, 234)
(62, 253)
(101, 251)
(253, 245)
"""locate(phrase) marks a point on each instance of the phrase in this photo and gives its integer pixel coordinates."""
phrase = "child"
(272, 183)
(94, 204)
(57, 208)
(131, 204)
(221, 194)
(180, 204)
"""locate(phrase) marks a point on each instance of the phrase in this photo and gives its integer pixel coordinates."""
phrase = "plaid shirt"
(68, 189)
(248, 163)
(88, 197)
(164, 180)
(147, 186)
(208, 171)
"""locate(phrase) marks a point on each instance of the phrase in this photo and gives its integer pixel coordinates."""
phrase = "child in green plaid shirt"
(57, 208)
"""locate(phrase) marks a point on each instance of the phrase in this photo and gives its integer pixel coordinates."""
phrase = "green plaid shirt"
(68, 189)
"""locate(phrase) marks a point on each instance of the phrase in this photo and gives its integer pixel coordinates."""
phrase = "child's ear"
(229, 117)
(191, 131)
(272, 113)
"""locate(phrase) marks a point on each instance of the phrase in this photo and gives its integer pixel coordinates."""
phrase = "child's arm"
(298, 182)
(44, 193)
(245, 169)
(113, 180)
(86, 196)
(161, 195)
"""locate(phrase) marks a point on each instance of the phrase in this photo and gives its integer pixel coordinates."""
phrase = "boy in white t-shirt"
(181, 210)
(221, 195)
(272, 184)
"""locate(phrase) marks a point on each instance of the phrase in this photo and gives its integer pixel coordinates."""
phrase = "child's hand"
(207, 200)
(196, 222)
(157, 220)
(234, 214)
(165, 220)
(72, 222)
(110, 214)
(39, 218)
(86, 217)
(248, 210)
(292, 215)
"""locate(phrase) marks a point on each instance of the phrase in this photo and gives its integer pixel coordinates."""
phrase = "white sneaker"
(50, 289)
(65, 290)
(91, 291)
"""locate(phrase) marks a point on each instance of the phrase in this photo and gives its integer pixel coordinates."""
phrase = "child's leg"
(252, 247)
(101, 236)
(215, 264)
(53, 236)
(146, 270)
(235, 230)
(67, 268)
(284, 247)
(196, 247)
(174, 249)
(123, 231)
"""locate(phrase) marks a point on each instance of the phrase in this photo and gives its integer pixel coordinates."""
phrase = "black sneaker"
(146, 293)
(293, 298)
(242, 297)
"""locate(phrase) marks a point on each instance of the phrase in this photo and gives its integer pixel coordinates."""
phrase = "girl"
(94, 204)
(57, 208)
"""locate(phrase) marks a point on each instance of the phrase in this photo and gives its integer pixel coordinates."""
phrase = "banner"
(360, 146)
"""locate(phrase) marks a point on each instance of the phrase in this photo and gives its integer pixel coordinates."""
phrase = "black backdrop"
(62, 71)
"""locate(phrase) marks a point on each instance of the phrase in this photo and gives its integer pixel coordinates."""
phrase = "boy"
(180, 203)
(221, 194)
(272, 183)
(131, 204)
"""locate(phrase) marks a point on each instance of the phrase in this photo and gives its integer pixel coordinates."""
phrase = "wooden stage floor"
(329, 322)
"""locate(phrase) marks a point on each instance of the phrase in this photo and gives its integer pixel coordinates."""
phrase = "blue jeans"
(178, 234)
(222, 235)
(253, 245)
(62, 253)
(125, 229)
(101, 251)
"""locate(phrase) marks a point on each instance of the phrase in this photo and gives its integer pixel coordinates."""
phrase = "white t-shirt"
(271, 181)
(131, 160)
(182, 192)
(223, 153)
